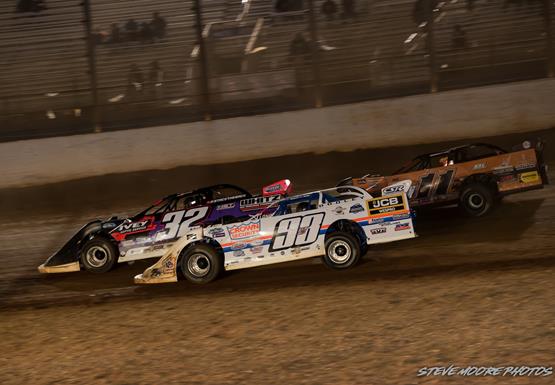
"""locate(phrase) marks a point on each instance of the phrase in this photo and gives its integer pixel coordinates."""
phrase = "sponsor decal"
(216, 233)
(256, 242)
(356, 208)
(398, 217)
(402, 226)
(273, 188)
(379, 230)
(168, 264)
(296, 250)
(133, 227)
(258, 201)
(238, 253)
(244, 230)
(394, 189)
(256, 249)
(524, 166)
(339, 210)
(226, 206)
(507, 178)
(157, 247)
(389, 204)
(529, 177)
(479, 166)
(238, 246)
(227, 199)
(191, 236)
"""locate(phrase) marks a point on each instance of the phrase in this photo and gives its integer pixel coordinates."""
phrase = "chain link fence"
(78, 66)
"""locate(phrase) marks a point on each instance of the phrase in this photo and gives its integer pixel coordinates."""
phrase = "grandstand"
(141, 79)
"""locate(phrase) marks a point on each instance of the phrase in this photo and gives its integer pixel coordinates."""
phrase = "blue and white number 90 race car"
(338, 224)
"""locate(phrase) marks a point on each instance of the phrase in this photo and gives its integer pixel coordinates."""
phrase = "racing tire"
(477, 199)
(201, 264)
(99, 255)
(342, 251)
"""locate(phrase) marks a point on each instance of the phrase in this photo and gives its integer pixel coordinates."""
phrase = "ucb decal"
(390, 204)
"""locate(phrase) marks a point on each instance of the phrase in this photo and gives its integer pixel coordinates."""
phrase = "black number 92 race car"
(101, 244)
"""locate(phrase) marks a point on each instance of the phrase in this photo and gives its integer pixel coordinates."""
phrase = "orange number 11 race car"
(475, 176)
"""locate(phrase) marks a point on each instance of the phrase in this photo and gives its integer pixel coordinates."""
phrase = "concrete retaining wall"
(459, 114)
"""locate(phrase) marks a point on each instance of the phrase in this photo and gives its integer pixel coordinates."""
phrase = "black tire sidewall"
(216, 264)
(485, 192)
(112, 255)
(353, 244)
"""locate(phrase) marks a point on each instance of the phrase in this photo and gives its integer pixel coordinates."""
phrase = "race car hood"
(68, 255)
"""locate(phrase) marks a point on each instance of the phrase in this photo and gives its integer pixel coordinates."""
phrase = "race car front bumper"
(65, 268)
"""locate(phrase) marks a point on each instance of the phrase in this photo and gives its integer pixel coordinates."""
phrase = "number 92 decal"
(296, 231)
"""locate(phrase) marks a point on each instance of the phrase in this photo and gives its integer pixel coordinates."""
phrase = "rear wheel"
(201, 264)
(99, 255)
(477, 199)
(342, 251)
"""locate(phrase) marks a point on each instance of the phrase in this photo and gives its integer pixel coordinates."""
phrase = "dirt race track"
(476, 292)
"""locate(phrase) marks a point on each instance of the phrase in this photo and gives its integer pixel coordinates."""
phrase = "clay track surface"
(466, 291)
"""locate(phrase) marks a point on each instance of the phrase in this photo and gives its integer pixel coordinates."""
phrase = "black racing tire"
(99, 255)
(477, 199)
(342, 251)
(201, 264)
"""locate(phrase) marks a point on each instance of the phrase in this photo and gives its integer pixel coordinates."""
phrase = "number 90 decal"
(296, 231)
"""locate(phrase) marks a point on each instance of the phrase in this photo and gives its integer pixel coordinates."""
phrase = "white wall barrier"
(460, 114)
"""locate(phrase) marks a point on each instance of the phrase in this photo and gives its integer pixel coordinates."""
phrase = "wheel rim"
(475, 201)
(198, 265)
(97, 256)
(339, 251)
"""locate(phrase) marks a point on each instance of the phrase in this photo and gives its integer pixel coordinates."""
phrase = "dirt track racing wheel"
(342, 250)
(477, 199)
(99, 255)
(201, 264)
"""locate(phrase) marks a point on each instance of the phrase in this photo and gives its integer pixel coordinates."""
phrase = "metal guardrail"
(72, 67)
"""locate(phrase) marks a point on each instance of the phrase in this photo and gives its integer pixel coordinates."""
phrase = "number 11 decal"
(296, 231)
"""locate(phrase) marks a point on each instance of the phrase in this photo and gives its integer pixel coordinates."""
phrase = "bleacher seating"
(44, 64)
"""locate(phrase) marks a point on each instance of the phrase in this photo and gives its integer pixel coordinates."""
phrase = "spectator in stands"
(30, 6)
(470, 4)
(155, 79)
(134, 81)
(419, 12)
(114, 34)
(299, 50)
(131, 29)
(299, 47)
(282, 6)
(158, 26)
(329, 8)
(145, 33)
(348, 8)
(459, 37)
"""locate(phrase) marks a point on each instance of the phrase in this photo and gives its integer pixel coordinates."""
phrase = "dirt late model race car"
(338, 223)
(99, 245)
(475, 176)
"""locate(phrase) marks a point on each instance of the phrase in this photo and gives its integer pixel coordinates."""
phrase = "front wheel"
(342, 251)
(201, 264)
(99, 255)
(477, 199)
